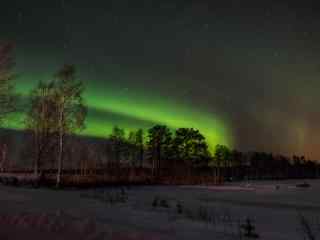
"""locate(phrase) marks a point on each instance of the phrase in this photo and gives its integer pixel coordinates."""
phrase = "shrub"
(203, 214)
(179, 208)
(306, 228)
(249, 229)
(164, 203)
(155, 202)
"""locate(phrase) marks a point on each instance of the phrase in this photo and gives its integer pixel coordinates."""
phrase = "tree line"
(57, 111)
(186, 149)
(234, 164)
(161, 147)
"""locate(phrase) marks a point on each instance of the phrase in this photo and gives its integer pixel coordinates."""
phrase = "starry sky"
(245, 73)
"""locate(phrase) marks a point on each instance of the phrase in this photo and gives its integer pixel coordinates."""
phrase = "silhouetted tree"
(257, 162)
(237, 158)
(117, 140)
(158, 145)
(285, 165)
(4, 156)
(221, 158)
(190, 146)
(140, 145)
(237, 163)
(131, 148)
(136, 148)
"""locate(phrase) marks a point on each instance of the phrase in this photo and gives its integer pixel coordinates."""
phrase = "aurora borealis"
(110, 107)
(245, 73)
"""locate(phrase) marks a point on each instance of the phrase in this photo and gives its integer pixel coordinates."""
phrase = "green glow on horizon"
(137, 109)
(166, 112)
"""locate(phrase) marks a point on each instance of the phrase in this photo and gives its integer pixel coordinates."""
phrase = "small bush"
(155, 202)
(11, 181)
(249, 229)
(179, 208)
(203, 214)
(303, 185)
(306, 228)
(164, 203)
(189, 214)
(123, 196)
(109, 197)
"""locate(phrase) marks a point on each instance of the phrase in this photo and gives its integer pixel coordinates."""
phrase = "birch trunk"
(60, 154)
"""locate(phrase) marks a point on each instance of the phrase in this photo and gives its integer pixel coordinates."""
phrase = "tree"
(41, 120)
(237, 158)
(136, 148)
(158, 145)
(7, 144)
(117, 139)
(284, 165)
(8, 98)
(71, 111)
(222, 155)
(237, 162)
(190, 146)
(131, 148)
(140, 146)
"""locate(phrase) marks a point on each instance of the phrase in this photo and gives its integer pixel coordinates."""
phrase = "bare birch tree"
(71, 110)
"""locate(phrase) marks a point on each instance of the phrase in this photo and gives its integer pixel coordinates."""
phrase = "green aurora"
(108, 105)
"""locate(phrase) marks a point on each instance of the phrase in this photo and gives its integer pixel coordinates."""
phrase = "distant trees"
(232, 164)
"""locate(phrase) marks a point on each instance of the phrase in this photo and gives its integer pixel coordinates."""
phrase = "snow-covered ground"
(207, 212)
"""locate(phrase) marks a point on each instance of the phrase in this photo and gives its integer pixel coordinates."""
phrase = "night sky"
(245, 73)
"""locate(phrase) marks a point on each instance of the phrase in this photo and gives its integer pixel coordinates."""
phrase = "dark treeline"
(238, 165)
(165, 152)
(185, 150)
(56, 114)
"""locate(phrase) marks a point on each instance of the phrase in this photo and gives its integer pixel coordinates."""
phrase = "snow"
(273, 206)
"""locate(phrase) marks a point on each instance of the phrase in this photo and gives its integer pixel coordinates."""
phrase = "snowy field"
(160, 212)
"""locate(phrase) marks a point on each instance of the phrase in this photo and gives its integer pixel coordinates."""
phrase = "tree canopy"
(190, 145)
